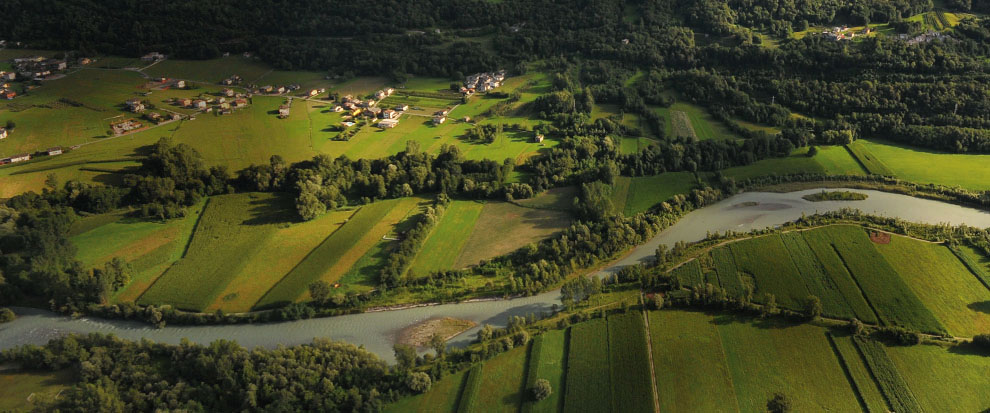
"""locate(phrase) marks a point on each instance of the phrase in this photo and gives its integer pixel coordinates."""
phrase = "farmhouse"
(3, 133)
(388, 123)
(538, 138)
(125, 126)
(184, 102)
(7, 94)
(389, 114)
(221, 100)
(18, 158)
(233, 80)
(280, 90)
(313, 92)
(402, 108)
(239, 103)
(180, 84)
(153, 116)
(7, 76)
(134, 105)
(337, 109)
(224, 105)
(199, 104)
(382, 94)
(438, 119)
(227, 92)
(267, 89)
(54, 151)
(283, 111)
(85, 61)
(372, 112)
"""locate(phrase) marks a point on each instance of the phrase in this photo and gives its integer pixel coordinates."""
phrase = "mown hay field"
(503, 381)
(442, 397)
(629, 363)
(944, 379)
(548, 355)
(859, 373)
(503, 227)
(443, 246)
(588, 374)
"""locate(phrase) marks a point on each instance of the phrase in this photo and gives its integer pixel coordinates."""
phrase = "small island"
(835, 196)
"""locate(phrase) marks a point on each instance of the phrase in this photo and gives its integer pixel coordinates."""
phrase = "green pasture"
(629, 363)
(548, 355)
(968, 171)
(443, 246)
(588, 372)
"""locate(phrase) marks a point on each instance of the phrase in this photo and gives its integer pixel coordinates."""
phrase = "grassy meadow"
(18, 390)
(634, 195)
(547, 360)
(503, 227)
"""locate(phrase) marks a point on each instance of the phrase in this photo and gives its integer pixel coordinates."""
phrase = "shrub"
(541, 390)
(6, 315)
(419, 382)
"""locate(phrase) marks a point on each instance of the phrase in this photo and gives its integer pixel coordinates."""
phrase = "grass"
(925, 166)
(725, 267)
(339, 251)
(690, 364)
(588, 382)
(629, 363)
(766, 359)
(698, 123)
(548, 354)
(443, 246)
(797, 162)
(839, 276)
(557, 199)
(893, 386)
(944, 379)
(815, 279)
(503, 227)
(210, 71)
(231, 230)
(503, 379)
(977, 263)
(868, 160)
(943, 283)
(859, 373)
(767, 260)
(689, 274)
(646, 191)
(17, 390)
(442, 397)
(472, 389)
(835, 196)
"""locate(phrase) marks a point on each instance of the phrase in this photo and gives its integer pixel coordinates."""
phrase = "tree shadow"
(279, 209)
(969, 349)
(723, 318)
(980, 306)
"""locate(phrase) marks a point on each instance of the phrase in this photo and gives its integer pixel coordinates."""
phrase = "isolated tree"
(812, 151)
(657, 301)
(419, 382)
(6, 315)
(779, 404)
(541, 390)
(813, 307)
(320, 291)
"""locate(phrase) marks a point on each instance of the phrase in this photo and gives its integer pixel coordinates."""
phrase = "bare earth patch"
(418, 335)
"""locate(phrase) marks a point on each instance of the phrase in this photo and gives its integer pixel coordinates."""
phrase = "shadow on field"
(502, 318)
(969, 349)
(981, 306)
(272, 210)
(764, 323)
(544, 219)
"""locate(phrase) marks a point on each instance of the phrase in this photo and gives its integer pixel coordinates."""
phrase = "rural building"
(388, 123)
(176, 116)
(280, 90)
(538, 138)
(438, 119)
(85, 61)
(134, 105)
(337, 108)
(7, 76)
(380, 95)
(239, 103)
(180, 84)
(199, 104)
(389, 114)
(372, 112)
(224, 105)
(3, 133)
(153, 57)
(19, 158)
(54, 151)
(466, 119)
(228, 92)
(313, 92)
(267, 89)
(402, 108)
(283, 111)
(356, 111)
(221, 100)
(7, 94)
(153, 116)
(184, 102)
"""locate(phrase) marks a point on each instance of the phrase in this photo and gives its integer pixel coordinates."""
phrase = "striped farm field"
(859, 373)
(443, 246)
(689, 274)
(547, 358)
(689, 362)
(839, 276)
(725, 267)
(629, 363)
(502, 382)
(815, 279)
(588, 383)
(888, 378)
(944, 379)
(231, 229)
(942, 282)
(868, 160)
(767, 260)
(339, 251)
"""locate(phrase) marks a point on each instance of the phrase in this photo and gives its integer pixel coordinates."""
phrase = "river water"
(377, 331)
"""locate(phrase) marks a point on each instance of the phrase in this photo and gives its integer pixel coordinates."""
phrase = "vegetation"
(588, 372)
(890, 381)
(836, 196)
(629, 363)
(547, 358)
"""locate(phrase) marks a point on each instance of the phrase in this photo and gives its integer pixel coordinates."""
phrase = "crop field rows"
(915, 284)
(868, 160)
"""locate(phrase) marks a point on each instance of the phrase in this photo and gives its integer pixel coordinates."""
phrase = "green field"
(548, 355)
(830, 159)
(231, 230)
(503, 227)
(210, 71)
(503, 382)
(925, 166)
(17, 390)
(646, 191)
(768, 262)
(689, 362)
(868, 160)
(588, 372)
(689, 274)
(339, 251)
(629, 363)
(888, 378)
(700, 123)
(443, 246)
(442, 397)
(859, 372)
(944, 379)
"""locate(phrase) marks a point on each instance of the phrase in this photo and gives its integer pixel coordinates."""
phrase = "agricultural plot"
(885, 290)
(442, 397)
(503, 227)
(547, 358)
(689, 363)
(503, 379)
(797, 162)
(629, 363)
(588, 372)
(557, 199)
(468, 401)
(340, 251)
(975, 261)
(17, 390)
(767, 260)
(210, 71)
(859, 373)
(954, 295)
(646, 191)
(925, 166)
(702, 124)
(443, 246)
(839, 275)
(231, 229)
(682, 125)
(944, 379)
(893, 386)
(868, 160)
(725, 266)
(778, 358)
(689, 274)
(817, 282)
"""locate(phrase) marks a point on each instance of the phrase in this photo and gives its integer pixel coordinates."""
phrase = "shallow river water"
(377, 331)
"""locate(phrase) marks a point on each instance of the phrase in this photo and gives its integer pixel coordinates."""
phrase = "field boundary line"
(880, 320)
(725, 363)
(184, 251)
(310, 253)
(858, 161)
(649, 351)
(846, 372)
(965, 263)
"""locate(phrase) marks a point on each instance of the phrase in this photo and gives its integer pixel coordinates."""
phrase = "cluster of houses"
(276, 90)
(38, 67)
(27, 156)
(232, 80)
(389, 117)
(440, 116)
(482, 82)
(224, 105)
(124, 126)
(843, 33)
(153, 57)
(924, 37)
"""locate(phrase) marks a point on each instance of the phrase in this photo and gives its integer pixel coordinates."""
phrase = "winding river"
(377, 331)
